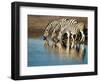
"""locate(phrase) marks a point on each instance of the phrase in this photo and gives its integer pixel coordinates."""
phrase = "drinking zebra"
(50, 28)
(71, 30)
(57, 28)
(76, 28)
(65, 27)
(62, 28)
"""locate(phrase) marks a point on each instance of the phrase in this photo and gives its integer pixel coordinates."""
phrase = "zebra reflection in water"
(59, 38)
(76, 53)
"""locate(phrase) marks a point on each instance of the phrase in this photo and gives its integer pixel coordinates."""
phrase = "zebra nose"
(44, 38)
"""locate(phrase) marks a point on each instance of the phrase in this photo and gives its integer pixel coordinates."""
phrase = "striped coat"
(72, 27)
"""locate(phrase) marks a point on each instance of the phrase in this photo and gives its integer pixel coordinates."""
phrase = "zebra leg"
(76, 37)
(68, 35)
(68, 45)
(72, 36)
(83, 36)
(53, 45)
(72, 44)
(73, 41)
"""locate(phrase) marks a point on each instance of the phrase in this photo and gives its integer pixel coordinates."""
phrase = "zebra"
(73, 29)
(76, 28)
(62, 25)
(61, 29)
(66, 26)
(50, 28)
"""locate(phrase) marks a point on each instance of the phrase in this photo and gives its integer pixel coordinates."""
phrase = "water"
(38, 55)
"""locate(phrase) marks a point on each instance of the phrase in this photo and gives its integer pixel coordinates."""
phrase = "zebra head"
(49, 29)
(46, 32)
(45, 35)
